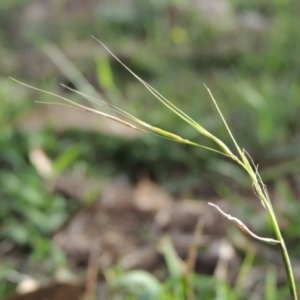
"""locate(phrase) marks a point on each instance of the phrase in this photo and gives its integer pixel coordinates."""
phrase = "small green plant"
(242, 158)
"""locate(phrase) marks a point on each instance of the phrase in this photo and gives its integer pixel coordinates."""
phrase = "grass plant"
(238, 155)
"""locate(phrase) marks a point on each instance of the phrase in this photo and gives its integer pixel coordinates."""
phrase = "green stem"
(285, 256)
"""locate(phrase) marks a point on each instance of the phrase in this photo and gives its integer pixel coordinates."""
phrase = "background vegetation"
(246, 52)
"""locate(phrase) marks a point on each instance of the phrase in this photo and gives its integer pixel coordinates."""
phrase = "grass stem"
(243, 158)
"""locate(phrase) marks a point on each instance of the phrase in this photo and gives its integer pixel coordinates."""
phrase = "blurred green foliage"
(250, 64)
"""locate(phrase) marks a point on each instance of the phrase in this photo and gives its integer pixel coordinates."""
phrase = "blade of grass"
(173, 108)
(252, 170)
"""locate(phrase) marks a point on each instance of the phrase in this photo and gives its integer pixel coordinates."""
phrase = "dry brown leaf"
(56, 291)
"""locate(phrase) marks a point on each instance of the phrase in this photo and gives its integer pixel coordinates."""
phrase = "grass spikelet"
(243, 158)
